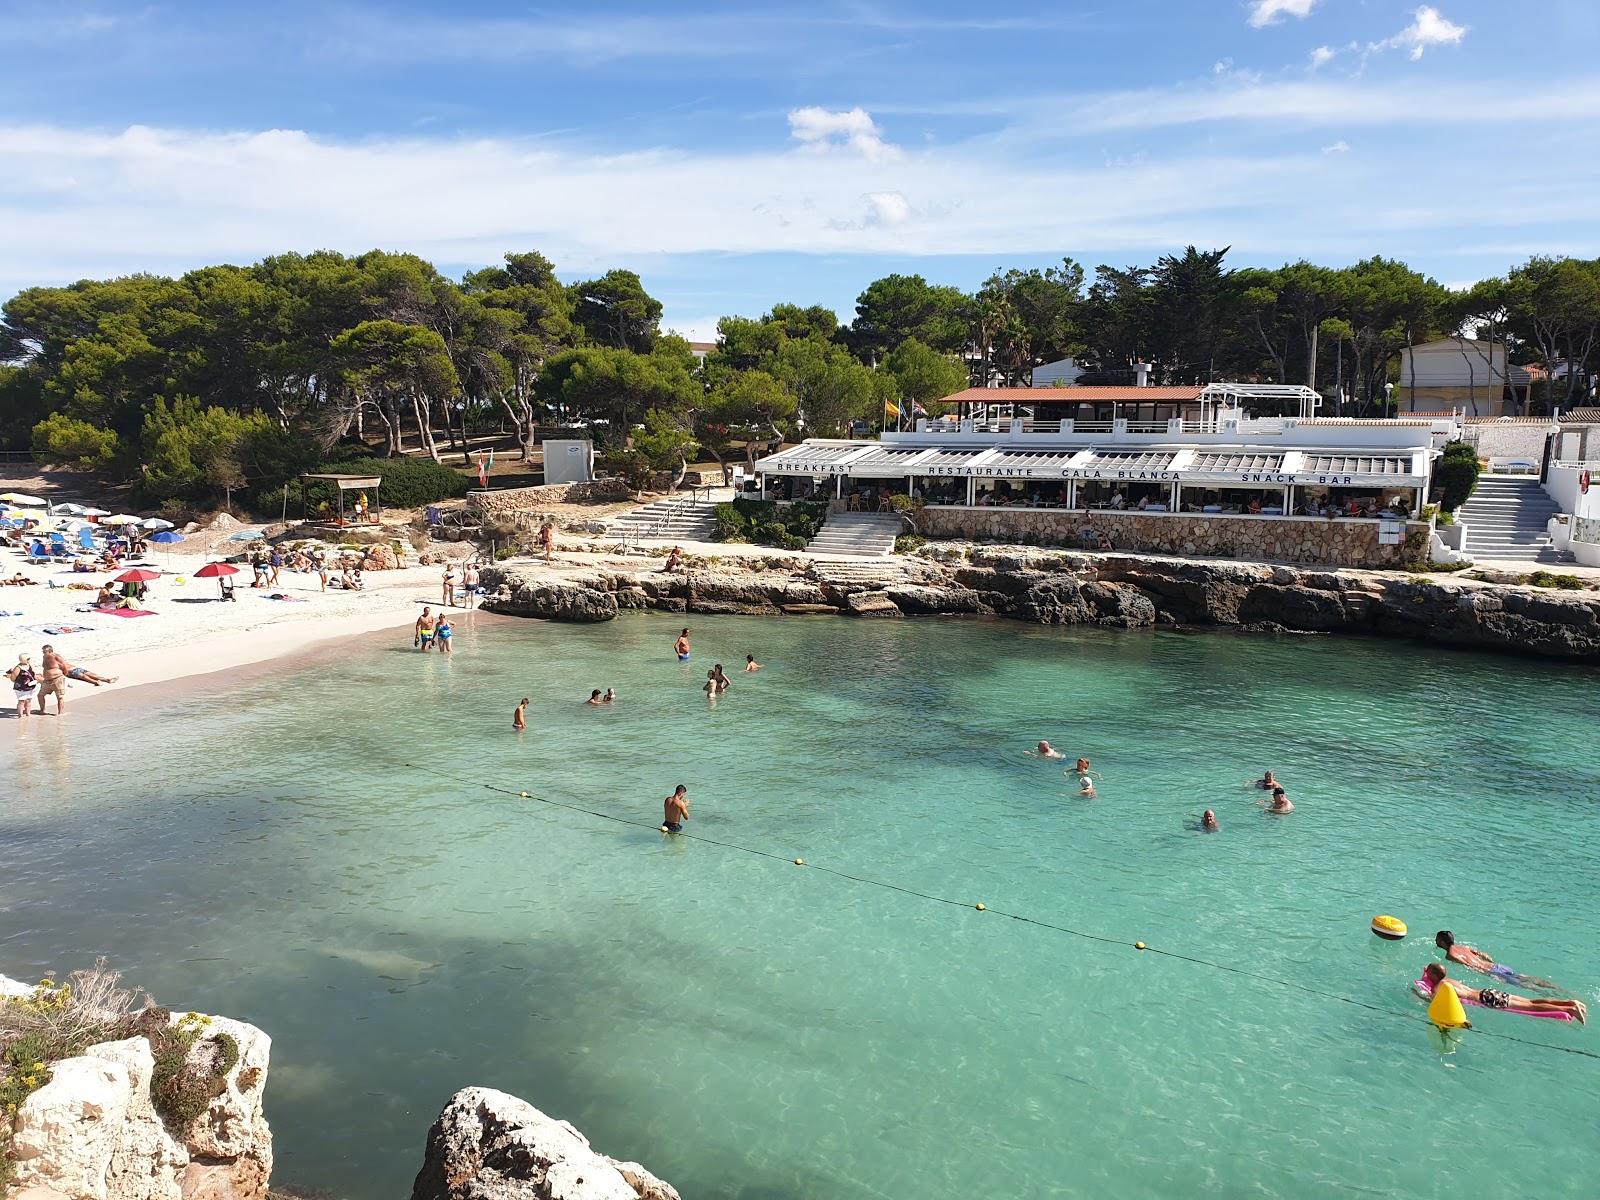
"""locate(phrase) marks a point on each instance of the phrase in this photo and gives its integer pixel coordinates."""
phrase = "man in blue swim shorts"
(681, 649)
(1467, 956)
(676, 812)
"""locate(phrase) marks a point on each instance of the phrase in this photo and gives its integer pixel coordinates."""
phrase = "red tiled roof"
(1070, 395)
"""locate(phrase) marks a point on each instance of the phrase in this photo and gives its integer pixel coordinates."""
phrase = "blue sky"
(739, 156)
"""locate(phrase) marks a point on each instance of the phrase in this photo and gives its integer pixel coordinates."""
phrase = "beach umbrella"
(72, 510)
(7, 523)
(249, 535)
(94, 512)
(154, 523)
(166, 536)
(137, 575)
(119, 519)
(21, 500)
(216, 570)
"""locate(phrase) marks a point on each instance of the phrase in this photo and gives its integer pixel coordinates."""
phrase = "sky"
(738, 156)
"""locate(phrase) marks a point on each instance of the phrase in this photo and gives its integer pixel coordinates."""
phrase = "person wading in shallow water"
(675, 811)
(681, 647)
(519, 719)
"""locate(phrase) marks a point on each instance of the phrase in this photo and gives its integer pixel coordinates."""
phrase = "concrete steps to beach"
(857, 535)
(1506, 518)
(680, 520)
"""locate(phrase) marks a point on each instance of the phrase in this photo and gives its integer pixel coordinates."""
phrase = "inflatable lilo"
(1446, 1015)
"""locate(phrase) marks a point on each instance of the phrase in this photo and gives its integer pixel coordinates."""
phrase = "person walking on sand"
(54, 675)
(681, 647)
(519, 719)
(448, 586)
(319, 560)
(1434, 974)
(675, 811)
(424, 630)
(275, 561)
(547, 540)
(24, 684)
(469, 584)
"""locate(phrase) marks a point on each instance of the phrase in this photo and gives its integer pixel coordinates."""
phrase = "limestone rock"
(146, 1161)
(487, 1145)
(67, 1131)
(232, 1126)
(920, 598)
(871, 604)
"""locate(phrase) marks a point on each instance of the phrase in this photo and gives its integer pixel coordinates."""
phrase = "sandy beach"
(193, 632)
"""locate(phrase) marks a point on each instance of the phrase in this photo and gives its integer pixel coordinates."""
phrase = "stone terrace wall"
(533, 499)
(1339, 543)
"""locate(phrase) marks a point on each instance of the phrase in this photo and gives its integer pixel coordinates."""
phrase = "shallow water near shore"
(748, 1028)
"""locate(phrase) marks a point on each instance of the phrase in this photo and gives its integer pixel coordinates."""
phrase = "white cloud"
(1268, 12)
(887, 208)
(1428, 28)
(819, 129)
(1339, 147)
(1322, 56)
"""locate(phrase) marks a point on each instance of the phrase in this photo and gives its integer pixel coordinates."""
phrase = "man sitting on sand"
(1467, 956)
(1434, 974)
(676, 811)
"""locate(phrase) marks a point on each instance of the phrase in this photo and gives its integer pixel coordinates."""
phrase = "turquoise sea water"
(753, 1029)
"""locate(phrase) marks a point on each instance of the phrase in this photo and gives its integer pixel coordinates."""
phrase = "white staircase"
(1506, 519)
(857, 535)
(684, 519)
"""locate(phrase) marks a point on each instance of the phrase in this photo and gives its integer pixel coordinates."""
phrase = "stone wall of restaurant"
(534, 499)
(1337, 543)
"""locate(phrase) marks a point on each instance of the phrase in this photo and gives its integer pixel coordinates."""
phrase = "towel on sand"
(126, 612)
(56, 630)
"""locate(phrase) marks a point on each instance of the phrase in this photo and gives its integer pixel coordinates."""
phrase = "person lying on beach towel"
(56, 630)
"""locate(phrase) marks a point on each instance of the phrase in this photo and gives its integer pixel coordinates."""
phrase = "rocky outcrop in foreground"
(91, 1132)
(1062, 588)
(487, 1145)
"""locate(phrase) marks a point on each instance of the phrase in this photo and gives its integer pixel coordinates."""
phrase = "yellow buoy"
(980, 908)
(1445, 1009)
(524, 795)
(1138, 945)
(1391, 929)
(799, 862)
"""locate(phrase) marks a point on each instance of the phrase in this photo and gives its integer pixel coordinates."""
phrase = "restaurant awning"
(952, 462)
(1125, 466)
(1354, 469)
(887, 462)
(1237, 467)
(1025, 464)
(813, 459)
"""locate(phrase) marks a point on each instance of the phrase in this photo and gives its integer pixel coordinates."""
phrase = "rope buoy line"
(1026, 920)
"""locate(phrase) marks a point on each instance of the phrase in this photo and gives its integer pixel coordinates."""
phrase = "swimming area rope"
(1140, 947)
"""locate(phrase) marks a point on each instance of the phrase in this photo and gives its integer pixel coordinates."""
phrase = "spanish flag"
(892, 409)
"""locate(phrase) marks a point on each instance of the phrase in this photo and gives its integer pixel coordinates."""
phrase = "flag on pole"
(891, 409)
(483, 473)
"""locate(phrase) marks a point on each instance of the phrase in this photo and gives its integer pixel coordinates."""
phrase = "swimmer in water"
(1279, 802)
(675, 811)
(610, 697)
(519, 719)
(1045, 750)
(712, 688)
(1434, 973)
(1208, 822)
(1469, 956)
(1086, 787)
(1266, 783)
(1081, 767)
(721, 676)
(594, 698)
(681, 647)
(750, 663)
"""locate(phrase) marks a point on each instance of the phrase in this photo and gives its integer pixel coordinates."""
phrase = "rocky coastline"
(1126, 591)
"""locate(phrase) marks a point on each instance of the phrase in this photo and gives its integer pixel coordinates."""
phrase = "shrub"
(766, 523)
(1566, 583)
(73, 443)
(908, 542)
(407, 482)
(1456, 475)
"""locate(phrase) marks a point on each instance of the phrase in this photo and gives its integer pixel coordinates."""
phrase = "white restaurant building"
(1184, 453)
